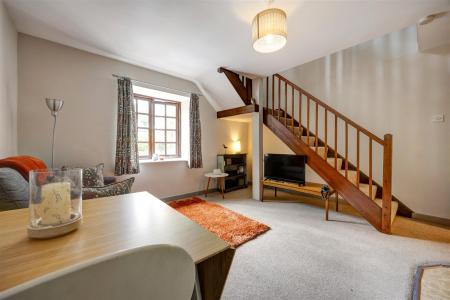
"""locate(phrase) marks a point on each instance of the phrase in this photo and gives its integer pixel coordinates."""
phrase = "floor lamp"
(55, 105)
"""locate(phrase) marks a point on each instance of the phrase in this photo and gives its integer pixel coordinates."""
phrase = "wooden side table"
(220, 181)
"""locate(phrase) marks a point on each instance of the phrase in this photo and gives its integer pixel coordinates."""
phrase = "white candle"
(55, 206)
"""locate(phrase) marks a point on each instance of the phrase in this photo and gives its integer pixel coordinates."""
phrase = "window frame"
(151, 125)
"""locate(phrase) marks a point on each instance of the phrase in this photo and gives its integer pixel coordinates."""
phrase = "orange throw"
(23, 164)
(231, 227)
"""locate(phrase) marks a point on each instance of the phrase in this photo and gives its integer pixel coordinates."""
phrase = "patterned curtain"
(196, 134)
(127, 158)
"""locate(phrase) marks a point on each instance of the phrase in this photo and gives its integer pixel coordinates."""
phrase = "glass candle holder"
(55, 202)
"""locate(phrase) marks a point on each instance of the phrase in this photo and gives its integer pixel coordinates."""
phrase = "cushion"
(118, 188)
(93, 177)
(109, 179)
(13, 189)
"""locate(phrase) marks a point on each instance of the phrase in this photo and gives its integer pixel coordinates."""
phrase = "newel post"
(387, 185)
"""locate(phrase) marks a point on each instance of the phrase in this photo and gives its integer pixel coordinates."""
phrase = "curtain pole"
(159, 86)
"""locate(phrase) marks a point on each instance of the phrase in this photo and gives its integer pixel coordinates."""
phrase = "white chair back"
(159, 272)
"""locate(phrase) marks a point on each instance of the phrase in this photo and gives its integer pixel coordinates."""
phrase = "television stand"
(309, 188)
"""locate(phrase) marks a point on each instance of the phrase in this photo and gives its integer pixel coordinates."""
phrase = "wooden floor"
(401, 226)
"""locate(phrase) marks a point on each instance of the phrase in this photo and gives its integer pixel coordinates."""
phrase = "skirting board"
(432, 219)
(202, 192)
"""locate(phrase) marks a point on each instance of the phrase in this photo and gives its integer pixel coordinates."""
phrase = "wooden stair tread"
(309, 141)
(320, 150)
(330, 160)
(275, 113)
(363, 187)
(296, 130)
(352, 175)
(288, 120)
(394, 208)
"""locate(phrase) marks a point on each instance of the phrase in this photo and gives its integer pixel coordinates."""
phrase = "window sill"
(149, 161)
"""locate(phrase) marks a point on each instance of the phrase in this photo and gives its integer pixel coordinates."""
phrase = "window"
(158, 127)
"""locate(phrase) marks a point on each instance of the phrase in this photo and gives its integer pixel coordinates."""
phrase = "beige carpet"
(305, 257)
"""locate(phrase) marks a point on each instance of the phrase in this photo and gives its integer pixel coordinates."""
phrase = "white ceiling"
(192, 38)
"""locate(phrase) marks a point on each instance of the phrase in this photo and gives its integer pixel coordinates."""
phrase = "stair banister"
(330, 109)
(386, 143)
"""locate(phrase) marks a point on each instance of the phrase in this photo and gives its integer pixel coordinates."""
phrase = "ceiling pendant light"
(269, 30)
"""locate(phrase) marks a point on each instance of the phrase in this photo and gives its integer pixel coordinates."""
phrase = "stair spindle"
(357, 158)
(370, 168)
(292, 99)
(307, 119)
(285, 104)
(267, 92)
(335, 141)
(279, 97)
(300, 130)
(326, 134)
(273, 95)
(346, 150)
(316, 140)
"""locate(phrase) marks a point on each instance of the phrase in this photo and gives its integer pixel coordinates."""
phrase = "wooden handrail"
(332, 110)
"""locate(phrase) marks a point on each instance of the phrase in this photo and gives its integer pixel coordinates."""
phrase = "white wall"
(86, 130)
(388, 86)
(8, 85)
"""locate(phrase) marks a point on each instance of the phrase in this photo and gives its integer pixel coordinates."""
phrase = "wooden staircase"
(337, 163)
(294, 115)
(294, 118)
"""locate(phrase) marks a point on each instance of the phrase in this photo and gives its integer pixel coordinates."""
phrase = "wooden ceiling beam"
(237, 111)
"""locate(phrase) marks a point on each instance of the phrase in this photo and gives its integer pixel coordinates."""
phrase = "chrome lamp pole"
(54, 105)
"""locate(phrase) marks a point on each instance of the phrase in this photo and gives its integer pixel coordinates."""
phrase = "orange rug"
(231, 227)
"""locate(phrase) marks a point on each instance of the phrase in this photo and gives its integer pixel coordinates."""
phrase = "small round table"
(220, 181)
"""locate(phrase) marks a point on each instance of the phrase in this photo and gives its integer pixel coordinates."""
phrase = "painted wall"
(8, 85)
(388, 86)
(86, 130)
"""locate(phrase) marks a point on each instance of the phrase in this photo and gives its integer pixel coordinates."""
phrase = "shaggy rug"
(231, 227)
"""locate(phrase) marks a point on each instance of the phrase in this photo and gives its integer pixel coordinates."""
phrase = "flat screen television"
(285, 167)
